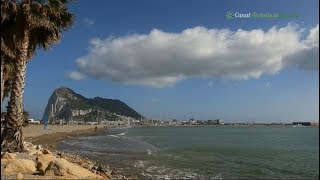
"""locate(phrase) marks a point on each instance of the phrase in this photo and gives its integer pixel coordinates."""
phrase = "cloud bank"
(161, 59)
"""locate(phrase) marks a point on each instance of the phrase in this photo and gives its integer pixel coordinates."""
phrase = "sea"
(204, 152)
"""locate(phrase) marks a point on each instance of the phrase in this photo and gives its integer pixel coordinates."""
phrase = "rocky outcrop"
(68, 106)
(39, 163)
(43, 160)
(61, 167)
(8, 155)
(20, 165)
(58, 106)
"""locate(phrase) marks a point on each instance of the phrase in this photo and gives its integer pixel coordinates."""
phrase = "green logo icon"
(229, 15)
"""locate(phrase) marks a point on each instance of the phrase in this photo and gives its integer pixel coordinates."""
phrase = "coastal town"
(129, 121)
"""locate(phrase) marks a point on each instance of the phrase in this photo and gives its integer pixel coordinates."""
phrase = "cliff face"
(65, 104)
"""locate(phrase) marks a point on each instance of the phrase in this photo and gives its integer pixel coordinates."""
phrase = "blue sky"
(168, 87)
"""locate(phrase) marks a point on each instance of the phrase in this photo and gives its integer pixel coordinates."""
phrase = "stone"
(19, 175)
(38, 147)
(46, 151)
(61, 167)
(80, 163)
(7, 155)
(61, 154)
(105, 175)
(21, 165)
(34, 152)
(87, 166)
(43, 161)
(27, 144)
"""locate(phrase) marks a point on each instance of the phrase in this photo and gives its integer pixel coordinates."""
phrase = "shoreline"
(51, 139)
(43, 143)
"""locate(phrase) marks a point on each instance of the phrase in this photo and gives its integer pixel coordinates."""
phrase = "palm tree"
(26, 115)
(27, 25)
(6, 76)
(2, 78)
(7, 44)
(7, 57)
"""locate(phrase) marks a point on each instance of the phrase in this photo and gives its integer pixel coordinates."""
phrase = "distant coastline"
(227, 124)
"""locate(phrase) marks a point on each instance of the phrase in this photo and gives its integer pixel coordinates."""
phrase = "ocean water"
(223, 152)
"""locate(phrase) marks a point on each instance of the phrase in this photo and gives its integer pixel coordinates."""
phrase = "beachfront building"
(302, 123)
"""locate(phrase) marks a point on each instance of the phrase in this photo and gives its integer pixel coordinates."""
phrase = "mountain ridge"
(65, 104)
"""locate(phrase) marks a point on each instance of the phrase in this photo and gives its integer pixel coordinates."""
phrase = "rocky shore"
(44, 163)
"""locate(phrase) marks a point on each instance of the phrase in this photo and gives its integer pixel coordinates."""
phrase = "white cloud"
(161, 59)
(75, 75)
(308, 56)
(88, 22)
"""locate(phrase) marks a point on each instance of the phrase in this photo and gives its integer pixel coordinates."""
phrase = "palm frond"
(42, 20)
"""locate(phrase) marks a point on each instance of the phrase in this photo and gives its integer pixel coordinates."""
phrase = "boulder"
(61, 154)
(31, 149)
(21, 165)
(34, 177)
(43, 161)
(87, 165)
(34, 152)
(28, 145)
(46, 151)
(61, 167)
(7, 155)
(38, 147)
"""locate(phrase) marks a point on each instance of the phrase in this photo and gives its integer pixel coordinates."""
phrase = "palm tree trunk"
(2, 79)
(12, 138)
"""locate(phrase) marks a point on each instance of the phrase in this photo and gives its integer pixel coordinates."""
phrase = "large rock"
(43, 161)
(7, 155)
(20, 165)
(61, 167)
(32, 149)
(46, 151)
(65, 104)
(34, 177)
(34, 152)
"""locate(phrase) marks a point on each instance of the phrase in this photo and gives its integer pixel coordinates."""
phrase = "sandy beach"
(52, 135)
(37, 130)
